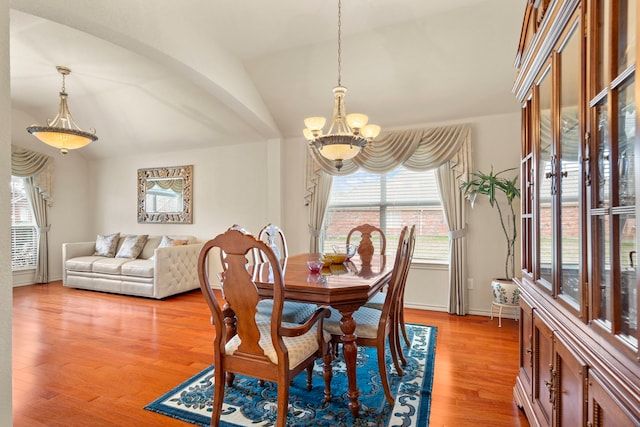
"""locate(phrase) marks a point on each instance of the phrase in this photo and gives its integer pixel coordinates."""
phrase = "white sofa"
(158, 272)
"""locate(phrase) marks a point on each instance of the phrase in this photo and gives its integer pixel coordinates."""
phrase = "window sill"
(23, 269)
(423, 264)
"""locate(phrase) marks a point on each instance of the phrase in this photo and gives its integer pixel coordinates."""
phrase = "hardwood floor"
(83, 358)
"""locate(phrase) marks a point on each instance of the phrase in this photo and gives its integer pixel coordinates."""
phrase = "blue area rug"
(247, 403)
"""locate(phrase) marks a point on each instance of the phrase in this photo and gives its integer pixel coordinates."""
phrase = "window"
(24, 235)
(390, 201)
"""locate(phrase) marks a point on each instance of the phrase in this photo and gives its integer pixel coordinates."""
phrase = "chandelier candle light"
(62, 132)
(348, 133)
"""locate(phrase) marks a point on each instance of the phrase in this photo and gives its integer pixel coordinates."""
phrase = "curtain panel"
(447, 149)
(318, 184)
(37, 169)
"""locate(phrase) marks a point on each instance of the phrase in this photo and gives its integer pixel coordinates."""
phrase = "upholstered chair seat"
(299, 348)
(292, 312)
(367, 322)
(377, 301)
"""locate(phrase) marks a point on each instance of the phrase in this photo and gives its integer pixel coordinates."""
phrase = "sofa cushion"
(106, 244)
(168, 241)
(171, 241)
(138, 268)
(152, 243)
(82, 263)
(132, 246)
(109, 265)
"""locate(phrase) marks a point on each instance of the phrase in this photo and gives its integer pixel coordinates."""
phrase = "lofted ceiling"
(168, 75)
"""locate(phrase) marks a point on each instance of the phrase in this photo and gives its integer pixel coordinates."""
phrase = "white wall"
(230, 186)
(6, 290)
(495, 141)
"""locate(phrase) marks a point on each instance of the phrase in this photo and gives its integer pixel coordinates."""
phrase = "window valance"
(28, 163)
(416, 149)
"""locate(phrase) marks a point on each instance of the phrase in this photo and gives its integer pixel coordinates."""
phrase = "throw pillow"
(106, 244)
(132, 246)
(169, 241)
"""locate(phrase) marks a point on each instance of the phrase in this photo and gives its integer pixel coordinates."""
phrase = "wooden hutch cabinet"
(576, 72)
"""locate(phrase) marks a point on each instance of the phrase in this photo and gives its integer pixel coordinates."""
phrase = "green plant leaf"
(492, 185)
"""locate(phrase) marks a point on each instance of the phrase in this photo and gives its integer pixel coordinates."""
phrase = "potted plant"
(499, 190)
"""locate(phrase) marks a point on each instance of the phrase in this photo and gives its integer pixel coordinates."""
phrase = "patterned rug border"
(423, 413)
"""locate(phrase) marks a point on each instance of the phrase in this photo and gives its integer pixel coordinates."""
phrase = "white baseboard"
(426, 307)
(506, 314)
(25, 278)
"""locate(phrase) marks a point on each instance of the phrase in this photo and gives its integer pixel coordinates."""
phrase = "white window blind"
(24, 235)
(390, 201)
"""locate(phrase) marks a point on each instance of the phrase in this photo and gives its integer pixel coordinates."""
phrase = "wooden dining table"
(344, 287)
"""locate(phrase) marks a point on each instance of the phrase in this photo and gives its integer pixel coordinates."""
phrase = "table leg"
(350, 351)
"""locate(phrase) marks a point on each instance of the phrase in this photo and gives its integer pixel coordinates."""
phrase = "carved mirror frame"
(156, 174)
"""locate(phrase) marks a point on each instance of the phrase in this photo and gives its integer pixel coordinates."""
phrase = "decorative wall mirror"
(164, 195)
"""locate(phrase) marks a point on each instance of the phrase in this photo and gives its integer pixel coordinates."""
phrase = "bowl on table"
(315, 265)
(348, 250)
(334, 258)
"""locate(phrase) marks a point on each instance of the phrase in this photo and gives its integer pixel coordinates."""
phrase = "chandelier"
(62, 132)
(348, 133)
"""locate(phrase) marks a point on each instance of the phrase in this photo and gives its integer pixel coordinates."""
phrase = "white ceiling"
(168, 75)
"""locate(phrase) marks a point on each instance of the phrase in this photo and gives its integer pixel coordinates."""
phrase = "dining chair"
(292, 312)
(255, 256)
(296, 312)
(273, 236)
(367, 232)
(366, 247)
(399, 323)
(244, 343)
(377, 301)
(374, 328)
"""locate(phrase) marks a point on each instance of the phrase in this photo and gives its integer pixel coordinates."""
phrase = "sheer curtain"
(446, 148)
(37, 169)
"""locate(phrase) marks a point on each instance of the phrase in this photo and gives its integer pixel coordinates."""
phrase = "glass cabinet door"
(612, 210)
(570, 171)
(561, 270)
(545, 187)
(625, 213)
(527, 191)
(602, 281)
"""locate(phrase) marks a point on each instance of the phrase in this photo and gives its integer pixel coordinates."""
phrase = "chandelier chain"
(339, 42)
(348, 134)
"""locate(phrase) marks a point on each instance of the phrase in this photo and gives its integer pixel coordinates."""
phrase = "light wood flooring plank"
(85, 358)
